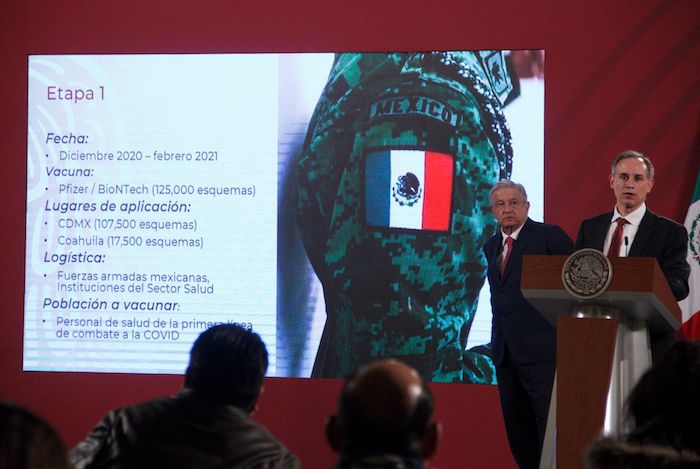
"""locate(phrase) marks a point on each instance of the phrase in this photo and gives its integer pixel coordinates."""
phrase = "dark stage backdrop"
(619, 75)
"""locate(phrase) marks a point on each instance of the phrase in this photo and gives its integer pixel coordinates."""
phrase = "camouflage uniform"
(407, 293)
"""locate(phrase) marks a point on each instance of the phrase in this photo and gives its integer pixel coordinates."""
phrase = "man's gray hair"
(507, 184)
(627, 154)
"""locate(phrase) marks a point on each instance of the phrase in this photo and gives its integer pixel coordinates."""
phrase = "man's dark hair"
(228, 364)
(395, 429)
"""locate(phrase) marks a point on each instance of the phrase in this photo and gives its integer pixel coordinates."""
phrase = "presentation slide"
(167, 193)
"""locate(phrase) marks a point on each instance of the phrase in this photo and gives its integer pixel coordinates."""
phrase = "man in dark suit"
(523, 342)
(642, 232)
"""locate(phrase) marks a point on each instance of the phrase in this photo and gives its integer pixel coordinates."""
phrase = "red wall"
(622, 74)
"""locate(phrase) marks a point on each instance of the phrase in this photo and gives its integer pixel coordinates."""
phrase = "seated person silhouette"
(28, 442)
(206, 424)
(662, 414)
(384, 419)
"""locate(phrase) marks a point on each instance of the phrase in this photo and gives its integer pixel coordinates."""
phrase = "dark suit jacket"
(657, 237)
(516, 323)
(185, 431)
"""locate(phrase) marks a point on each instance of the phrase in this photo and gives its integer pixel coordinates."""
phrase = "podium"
(602, 346)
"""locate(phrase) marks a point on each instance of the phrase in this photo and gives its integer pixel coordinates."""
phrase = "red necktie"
(616, 241)
(509, 244)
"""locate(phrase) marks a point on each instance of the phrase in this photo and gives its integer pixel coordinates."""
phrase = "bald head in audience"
(385, 409)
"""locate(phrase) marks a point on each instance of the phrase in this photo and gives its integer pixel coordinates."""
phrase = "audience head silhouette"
(662, 414)
(664, 406)
(28, 442)
(228, 364)
(385, 410)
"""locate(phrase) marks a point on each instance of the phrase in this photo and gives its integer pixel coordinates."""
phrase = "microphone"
(627, 243)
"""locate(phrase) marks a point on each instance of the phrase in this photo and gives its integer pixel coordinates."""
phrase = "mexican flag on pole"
(690, 329)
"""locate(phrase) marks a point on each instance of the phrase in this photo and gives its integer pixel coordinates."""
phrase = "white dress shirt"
(629, 230)
(514, 235)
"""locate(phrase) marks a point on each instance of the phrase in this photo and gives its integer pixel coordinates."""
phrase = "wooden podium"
(602, 347)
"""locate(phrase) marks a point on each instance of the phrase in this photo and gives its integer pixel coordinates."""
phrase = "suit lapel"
(643, 235)
(519, 247)
(600, 232)
(493, 257)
